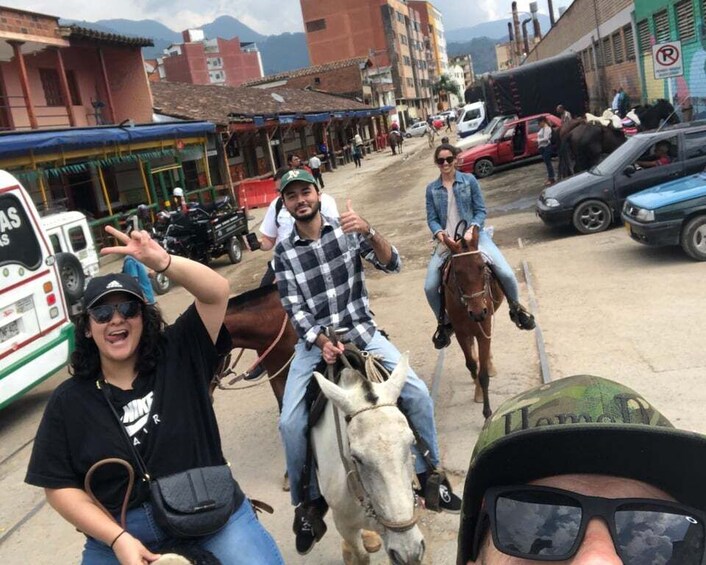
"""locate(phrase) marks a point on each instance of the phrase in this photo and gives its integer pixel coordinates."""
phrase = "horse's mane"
(252, 297)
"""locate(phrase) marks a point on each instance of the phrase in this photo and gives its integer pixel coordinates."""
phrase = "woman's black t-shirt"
(168, 415)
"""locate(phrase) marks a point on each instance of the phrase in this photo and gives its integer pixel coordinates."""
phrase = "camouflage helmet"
(579, 424)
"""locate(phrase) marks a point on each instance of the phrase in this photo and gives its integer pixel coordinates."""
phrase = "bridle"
(355, 484)
(486, 293)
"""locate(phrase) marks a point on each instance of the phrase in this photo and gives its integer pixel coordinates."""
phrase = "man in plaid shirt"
(320, 276)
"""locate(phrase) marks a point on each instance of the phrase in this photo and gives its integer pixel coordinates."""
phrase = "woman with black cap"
(128, 366)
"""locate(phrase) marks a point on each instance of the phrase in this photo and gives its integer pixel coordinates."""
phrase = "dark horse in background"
(581, 145)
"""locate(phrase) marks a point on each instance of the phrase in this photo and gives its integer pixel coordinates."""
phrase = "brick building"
(670, 20)
(389, 32)
(355, 78)
(602, 31)
(210, 61)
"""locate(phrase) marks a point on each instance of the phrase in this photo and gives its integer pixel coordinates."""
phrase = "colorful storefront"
(660, 21)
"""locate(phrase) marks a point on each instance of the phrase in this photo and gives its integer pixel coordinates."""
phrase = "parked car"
(514, 142)
(482, 137)
(69, 233)
(673, 213)
(591, 201)
(471, 119)
(417, 129)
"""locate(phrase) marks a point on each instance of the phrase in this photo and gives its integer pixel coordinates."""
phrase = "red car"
(515, 142)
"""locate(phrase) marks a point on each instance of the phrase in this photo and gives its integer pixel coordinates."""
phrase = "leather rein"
(355, 484)
(485, 293)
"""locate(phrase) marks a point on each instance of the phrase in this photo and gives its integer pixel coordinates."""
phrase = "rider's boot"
(256, 373)
(447, 500)
(442, 335)
(522, 318)
(309, 526)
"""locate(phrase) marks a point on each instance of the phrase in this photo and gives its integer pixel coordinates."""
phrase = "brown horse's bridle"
(485, 293)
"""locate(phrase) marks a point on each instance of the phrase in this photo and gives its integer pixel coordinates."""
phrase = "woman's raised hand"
(140, 245)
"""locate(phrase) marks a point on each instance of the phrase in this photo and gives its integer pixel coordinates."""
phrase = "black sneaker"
(308, 527)
(442, 336)
(448, 501)
(256, 373)
(522, 318)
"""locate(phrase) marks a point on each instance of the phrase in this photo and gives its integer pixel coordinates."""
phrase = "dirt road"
(607, 306)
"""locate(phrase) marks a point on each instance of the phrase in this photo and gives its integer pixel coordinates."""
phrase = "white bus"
(36, 334)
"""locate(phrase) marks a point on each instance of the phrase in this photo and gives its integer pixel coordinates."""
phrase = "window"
(661, 20)
(685, 20)
(216, 76)
(315, 25)
(607, 53)
(77, 238)
(317, 81)
(618, 51)
(403, 39)
(400, 17)
(532, 126)
(55, 244)
(695, 144)
(214, 62)
(406, 60)
(629, 43)
(643, 35)
(73, 88)
(51, 86)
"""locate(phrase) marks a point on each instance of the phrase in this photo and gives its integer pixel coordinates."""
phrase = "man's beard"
(310, 216)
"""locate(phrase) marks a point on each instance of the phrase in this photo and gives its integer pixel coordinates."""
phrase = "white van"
(69, 232)
(471, 119)
(36, 334)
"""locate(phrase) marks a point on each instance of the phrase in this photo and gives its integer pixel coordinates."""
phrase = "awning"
(54, 141)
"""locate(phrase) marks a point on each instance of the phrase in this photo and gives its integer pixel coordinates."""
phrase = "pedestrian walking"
(544, 143)
(358, 143)
(315, 166)
(563, 114)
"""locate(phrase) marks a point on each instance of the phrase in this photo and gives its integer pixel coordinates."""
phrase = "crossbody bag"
(192, 503)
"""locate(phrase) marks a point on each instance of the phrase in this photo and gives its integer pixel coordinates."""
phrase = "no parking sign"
(668, 60)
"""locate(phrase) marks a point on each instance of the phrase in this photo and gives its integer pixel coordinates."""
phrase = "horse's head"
(380, 443)
(469, 277)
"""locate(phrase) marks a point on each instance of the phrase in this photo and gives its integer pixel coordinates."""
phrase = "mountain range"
(288, 51)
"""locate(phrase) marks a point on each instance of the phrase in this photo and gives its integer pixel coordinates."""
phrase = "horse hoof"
(372, 542)
(347, 553)
(478, 396)
(285, 483)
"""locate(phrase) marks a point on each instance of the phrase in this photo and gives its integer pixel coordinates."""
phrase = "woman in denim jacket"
(463, 191)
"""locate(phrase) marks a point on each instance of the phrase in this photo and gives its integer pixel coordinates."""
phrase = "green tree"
(446, 86)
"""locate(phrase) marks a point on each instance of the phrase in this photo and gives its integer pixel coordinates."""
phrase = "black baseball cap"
(579, 425)
(100, 287)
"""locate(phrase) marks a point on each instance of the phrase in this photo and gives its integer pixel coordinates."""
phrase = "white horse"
(376, 448)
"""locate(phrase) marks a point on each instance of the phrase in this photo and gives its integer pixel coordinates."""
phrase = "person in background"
(137, 270)
(358, 142)
(659, 158)
(544, 143)
(615, 104)
(295, 162)
(157, 379)
(180, 204)
(315, 166)
(623, 102)
(356, 154)
(323, 150)
(563, 114)
(583, 471)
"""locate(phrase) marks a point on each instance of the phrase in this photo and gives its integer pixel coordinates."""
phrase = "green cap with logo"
(301, 175)
(580, 424)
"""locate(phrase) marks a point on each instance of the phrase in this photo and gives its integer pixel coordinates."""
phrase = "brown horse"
(472, 295)
(256, 320)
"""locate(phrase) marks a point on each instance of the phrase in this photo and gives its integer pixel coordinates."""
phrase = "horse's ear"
(394, 385)
(451, 244)
(337, 395)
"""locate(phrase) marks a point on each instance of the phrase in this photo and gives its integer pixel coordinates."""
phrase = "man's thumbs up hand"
(352, 222)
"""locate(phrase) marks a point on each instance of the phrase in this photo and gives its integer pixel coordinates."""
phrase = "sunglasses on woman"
(548, 524)
(442, 160)
(104, 313)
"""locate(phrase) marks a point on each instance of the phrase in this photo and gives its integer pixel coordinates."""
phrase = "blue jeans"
(242, 541)
(415, 403)
(502, 269)
(546, 153)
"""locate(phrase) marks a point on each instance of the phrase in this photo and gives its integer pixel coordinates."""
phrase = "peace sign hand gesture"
(139, 245)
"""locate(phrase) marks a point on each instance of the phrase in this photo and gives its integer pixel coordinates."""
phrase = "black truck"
(533, 88)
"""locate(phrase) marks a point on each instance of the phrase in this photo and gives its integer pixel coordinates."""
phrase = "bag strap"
(138, 458)
(278, 209)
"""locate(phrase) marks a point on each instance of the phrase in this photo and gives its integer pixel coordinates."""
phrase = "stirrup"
(522, 318)
(441, 337)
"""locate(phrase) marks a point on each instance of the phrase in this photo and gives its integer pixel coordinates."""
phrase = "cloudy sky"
(264, 16)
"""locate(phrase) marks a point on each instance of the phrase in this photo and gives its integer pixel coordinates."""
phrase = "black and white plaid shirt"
(322, 282)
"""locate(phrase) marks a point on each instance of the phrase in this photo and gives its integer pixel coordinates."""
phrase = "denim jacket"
(471, 206)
